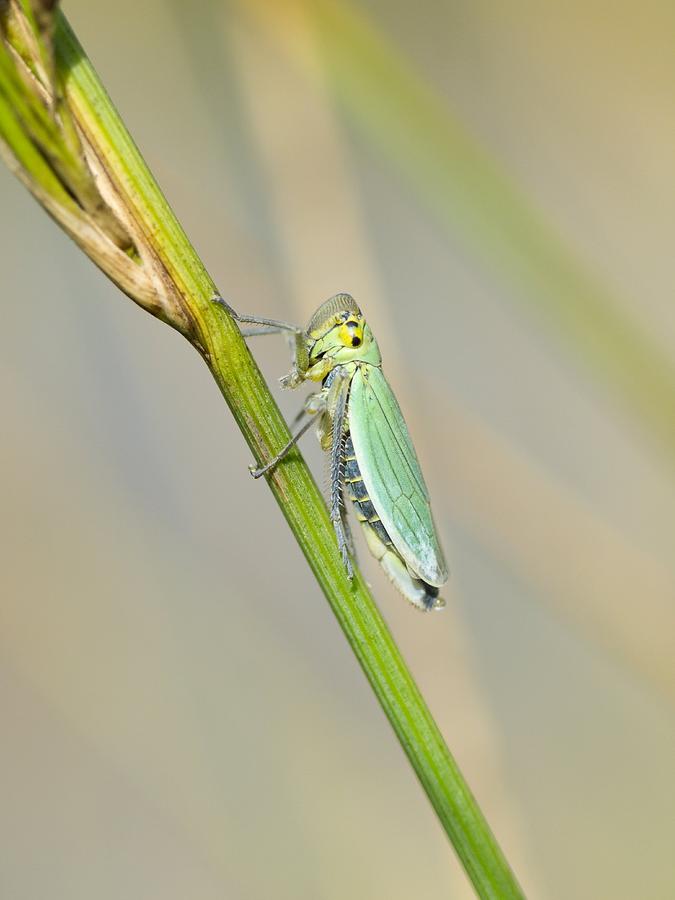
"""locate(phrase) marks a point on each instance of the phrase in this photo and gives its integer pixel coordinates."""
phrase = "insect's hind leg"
(338, 516)
(349, 538)
(337, 407)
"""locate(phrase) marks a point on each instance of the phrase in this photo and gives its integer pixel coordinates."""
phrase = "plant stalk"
(166, 277)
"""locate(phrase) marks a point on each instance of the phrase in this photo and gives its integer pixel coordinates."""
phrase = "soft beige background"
(180, 715)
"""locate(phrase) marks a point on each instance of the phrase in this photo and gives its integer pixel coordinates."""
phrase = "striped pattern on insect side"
(418, 592)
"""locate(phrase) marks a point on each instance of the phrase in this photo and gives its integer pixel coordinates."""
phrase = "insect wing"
(392, 475)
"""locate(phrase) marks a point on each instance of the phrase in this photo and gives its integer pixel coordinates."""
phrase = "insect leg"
(341, 386)
(315, 403)
(256, 473)
(275, 326)
(346, 527)
(300, 416)
(254, 332)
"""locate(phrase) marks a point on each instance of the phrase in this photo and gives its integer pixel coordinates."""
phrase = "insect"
(372, 459)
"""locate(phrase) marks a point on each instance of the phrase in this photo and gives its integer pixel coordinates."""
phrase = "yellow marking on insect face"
(338, 340)
(350, 332)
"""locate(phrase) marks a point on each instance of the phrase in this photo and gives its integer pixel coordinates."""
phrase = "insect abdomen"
(358, 494)
(380, 544)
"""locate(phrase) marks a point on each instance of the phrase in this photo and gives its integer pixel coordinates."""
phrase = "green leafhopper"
(372, 459)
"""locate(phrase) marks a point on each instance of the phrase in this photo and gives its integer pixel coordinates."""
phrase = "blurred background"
(181, 716)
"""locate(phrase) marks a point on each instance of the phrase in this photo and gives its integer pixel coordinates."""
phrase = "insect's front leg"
(300, 361)
(298, 338)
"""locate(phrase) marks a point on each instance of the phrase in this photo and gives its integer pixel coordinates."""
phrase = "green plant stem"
(218, 340)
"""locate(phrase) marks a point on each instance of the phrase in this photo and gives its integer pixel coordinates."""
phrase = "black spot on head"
(356, 341)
